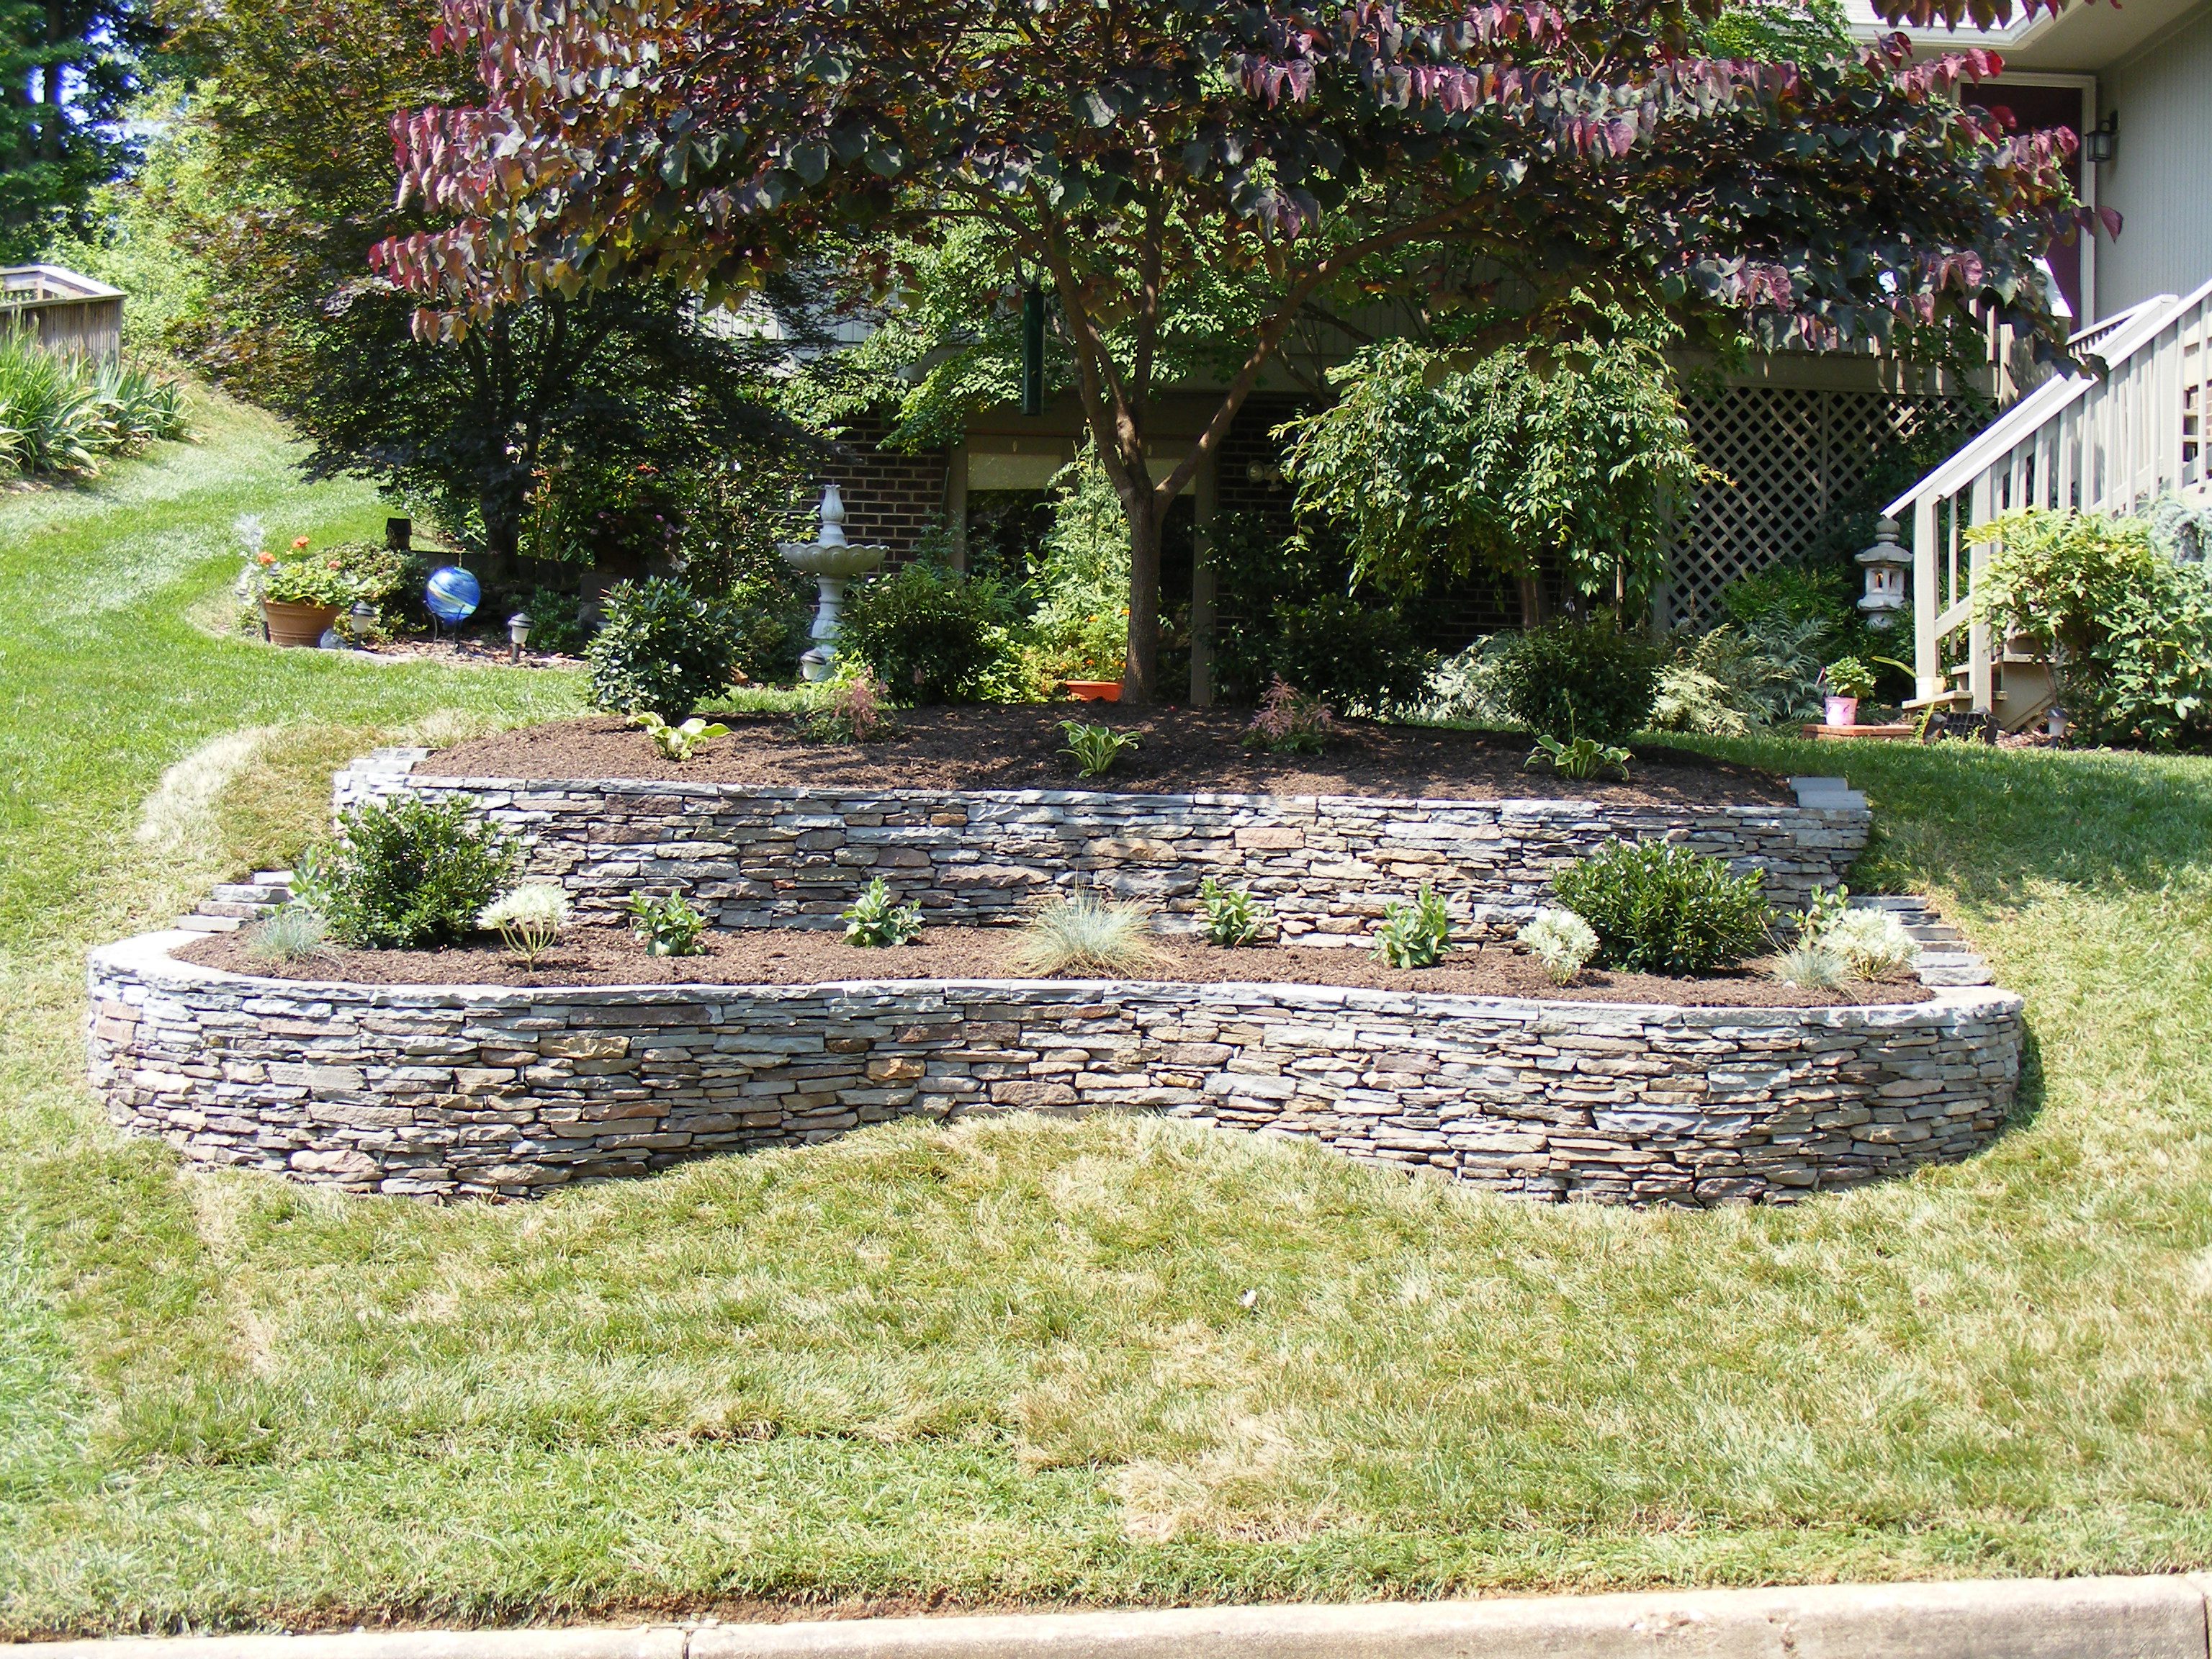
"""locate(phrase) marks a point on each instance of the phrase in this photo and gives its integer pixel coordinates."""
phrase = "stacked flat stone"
(459, 1090)
(756, 856)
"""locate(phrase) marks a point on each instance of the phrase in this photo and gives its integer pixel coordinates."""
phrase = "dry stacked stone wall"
(753, 856)
(455, 1091)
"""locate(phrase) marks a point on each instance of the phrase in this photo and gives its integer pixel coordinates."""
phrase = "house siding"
(2157, 177)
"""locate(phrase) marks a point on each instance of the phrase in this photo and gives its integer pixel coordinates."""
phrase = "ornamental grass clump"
(1415, 934)
(294, 934)
(875, 920)
(408, 873)
(528, 920)
(1233, 919)
(1084, 933)
(1872, 943)
(1560, 939)
(1658, 909)
(1811, 967)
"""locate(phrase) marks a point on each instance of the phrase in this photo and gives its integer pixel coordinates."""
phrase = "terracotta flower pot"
(297, 624)
(1095, 690)
(1843, 711)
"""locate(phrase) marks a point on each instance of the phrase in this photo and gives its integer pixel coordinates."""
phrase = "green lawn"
(1011, 1361)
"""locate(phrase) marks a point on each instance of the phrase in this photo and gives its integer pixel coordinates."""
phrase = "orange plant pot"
(1095, 690)
(297, 624)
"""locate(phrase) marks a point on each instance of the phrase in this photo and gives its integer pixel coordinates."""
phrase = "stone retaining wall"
(751, 856)
(485, 1089)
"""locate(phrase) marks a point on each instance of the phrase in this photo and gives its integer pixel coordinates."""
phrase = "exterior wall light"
(2102, 142)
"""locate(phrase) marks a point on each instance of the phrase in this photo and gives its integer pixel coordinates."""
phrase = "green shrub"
(1358, 655)
(556, 620)
(1580, 680)
(769, 620)
(667, 924)
(1658, 909)
(1416, 934)
(2130, 630)
(876, 921)
(661, 648)
(931, 634)
(383, 577)
(408, 873)
(1233, 919)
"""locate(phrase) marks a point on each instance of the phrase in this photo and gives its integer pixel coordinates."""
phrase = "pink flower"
(299, 542)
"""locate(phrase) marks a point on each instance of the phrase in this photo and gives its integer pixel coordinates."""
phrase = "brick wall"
(891, 497)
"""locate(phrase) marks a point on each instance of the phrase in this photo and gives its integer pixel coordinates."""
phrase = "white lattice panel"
(1784, 455)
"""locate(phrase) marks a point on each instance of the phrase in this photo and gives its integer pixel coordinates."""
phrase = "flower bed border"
(500, 1092)
(752, 855)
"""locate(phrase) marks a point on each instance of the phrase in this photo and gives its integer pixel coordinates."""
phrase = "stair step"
(245, 892)
(240, 912)
(202, 924)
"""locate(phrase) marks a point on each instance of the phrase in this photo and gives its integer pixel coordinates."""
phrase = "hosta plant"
(1415, 934)
(876, 919)
(678, 743)
(1561, 940)
(528, 920)
(1095, 748)
(1580, 759)
(1232, 918)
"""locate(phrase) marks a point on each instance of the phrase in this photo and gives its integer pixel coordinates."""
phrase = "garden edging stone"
(753, 855)
(2115, 1618)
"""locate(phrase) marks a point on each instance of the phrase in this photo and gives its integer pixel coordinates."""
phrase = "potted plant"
(1848, 679)
(300, 596)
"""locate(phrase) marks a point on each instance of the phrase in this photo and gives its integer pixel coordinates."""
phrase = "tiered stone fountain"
(833, 563)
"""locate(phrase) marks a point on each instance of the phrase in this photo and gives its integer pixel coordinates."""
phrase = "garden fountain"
(832, 562)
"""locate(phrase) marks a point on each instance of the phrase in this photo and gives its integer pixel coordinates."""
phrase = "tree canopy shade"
(1532, 163)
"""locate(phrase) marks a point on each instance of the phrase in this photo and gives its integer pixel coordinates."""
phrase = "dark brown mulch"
(601, 955)
(1182, 750)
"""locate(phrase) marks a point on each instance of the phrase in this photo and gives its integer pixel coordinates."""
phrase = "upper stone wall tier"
(458, 1090)
(754, 856)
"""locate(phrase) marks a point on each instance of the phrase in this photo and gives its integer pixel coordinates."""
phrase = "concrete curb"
(2146, 1618)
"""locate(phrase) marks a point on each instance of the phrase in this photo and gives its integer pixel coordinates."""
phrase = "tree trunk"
(1140, 677)
(1532, 601)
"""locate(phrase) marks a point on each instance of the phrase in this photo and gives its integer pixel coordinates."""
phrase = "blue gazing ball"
(452, 594)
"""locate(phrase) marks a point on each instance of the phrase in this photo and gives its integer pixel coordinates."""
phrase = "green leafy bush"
(661, 648)
(875, 920)
(1586, 679)
(1658, 909)
(408, 873)
(1232, 918)
(1415, 934)
(2129, 630)
(931, 634)
(556, 620)
(667, 924)
(1360, 656)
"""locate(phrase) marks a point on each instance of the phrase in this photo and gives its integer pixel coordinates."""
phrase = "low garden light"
(1886, 564)
(363, 616)
(518, 635)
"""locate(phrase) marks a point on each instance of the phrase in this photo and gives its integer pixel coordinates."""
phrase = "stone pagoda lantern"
(1886, 565)
(833, 563)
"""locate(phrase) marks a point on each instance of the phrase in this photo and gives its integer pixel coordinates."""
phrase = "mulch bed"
(1181, 751)
(601, 955)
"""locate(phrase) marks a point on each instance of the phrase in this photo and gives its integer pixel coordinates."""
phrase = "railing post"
(1980, 680)
(1927, 661)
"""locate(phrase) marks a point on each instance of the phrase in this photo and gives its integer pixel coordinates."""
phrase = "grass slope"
(1011, 1361)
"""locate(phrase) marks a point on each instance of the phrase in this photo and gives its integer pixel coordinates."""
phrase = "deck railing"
(2127, 427)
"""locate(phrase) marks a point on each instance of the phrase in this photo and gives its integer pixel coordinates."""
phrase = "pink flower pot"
(1843, 711)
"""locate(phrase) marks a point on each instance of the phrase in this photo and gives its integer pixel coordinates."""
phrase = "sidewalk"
(2149, 1618)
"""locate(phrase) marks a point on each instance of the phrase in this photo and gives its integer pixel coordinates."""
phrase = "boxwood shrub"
(408, 873)
(1659, 909)
(662, 649)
